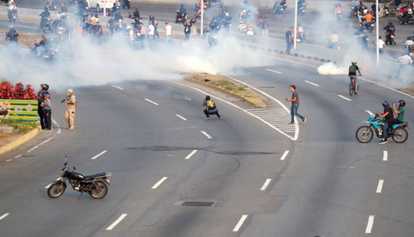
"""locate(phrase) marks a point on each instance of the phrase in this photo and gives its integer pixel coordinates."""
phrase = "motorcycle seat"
(93, 176)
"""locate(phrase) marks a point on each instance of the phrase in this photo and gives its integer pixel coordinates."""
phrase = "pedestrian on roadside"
(111, 25)
(187, 29)
(259, 25)
(211, 108)
(156, 34)
(404, 61)
(381, 45)
(295, 106)
(47, 108)
(168, 31)
(72, 105)
(151, 33)
(265, 27)
(289, 39)
(40, 97)
(98, 32)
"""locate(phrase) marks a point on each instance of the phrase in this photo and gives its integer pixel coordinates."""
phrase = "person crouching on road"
(47, 109)
(72, 104)
(210, 108)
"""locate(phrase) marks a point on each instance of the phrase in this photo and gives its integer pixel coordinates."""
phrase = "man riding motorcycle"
(11, 39)
(390, 28)
(42, 46)
(45, 15)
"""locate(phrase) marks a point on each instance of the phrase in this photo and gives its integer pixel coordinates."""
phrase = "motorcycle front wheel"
(400, 135)
(56, 190)
(99, 190)
(364, 134)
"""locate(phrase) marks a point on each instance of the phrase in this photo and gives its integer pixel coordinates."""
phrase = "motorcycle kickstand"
(80, 195)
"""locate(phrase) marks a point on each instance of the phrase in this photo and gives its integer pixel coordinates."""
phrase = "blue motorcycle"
(365, 133)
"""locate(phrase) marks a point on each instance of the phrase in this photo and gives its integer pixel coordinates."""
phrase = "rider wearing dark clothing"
(390, 28)
(12, 35)
(45, 14)
(182, 9)
(136, 13)
(389, 117)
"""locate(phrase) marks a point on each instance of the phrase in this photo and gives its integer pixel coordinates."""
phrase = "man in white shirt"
(151, 32)
(381, 45)
(405, 60)
(168, 31)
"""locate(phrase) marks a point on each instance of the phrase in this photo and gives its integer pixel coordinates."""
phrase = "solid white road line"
(93, 158)
(270, 70)
(380, 184)
(265, 184)
(191, 154)
(369, 112)
(240, 223)
(32, 149)
(284, 155)
(314, 84)
(181, 117)
(117, 222)
(343, 97)
(159, 183)
(152, 102)
(117, 87)
(385, 156)
(208, 136)
(369, 225)
(4, 216)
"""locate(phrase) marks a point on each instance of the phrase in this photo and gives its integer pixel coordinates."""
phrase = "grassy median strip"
(228, 86)
(26, 39)
(20, 126)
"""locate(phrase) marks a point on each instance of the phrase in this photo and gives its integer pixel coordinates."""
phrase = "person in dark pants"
(40, 111)
(211, 108)
(389, 116)
(289, 39)
(47, 108)
(187, 29)
(295, 106)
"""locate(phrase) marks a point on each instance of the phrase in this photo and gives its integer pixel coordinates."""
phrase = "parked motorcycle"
(365, 133)
(96, 185)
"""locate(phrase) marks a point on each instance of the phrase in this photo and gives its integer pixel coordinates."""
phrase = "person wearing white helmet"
(72, 105)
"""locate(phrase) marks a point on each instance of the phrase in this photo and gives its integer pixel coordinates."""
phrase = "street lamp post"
(202, 17)
(296, 25)
(377, 26)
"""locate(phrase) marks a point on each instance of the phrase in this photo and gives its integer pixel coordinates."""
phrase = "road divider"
(159, 183)
(191, 154)
(240, 223)
(116, 222)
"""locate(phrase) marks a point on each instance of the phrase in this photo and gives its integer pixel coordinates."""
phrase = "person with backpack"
(211, 108)
(72, 105)
(352, 74)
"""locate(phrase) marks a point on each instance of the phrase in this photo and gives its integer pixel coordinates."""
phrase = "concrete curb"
(19, 141)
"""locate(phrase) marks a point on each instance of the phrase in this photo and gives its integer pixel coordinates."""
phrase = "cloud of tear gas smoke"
(332, 69)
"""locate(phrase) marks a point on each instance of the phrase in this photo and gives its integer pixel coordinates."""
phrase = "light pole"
(202, 17)
(296, 25)
(377, 28)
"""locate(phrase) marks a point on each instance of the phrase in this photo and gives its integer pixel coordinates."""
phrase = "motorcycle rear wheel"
(400, 135)
(103, 190)
(364, 134)
(56, 190)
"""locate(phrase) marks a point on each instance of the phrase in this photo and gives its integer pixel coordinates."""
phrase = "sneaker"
(304, 120)
(208, 118)
(221, 118)
(383, 142)
(291, 123)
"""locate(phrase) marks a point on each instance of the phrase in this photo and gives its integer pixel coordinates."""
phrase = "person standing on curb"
(295, 106)
(72, 105)
(289, 39)
(40, 98)
(47, 108)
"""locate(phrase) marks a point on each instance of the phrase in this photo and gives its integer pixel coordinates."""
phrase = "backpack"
(352, 69)
(211, 104)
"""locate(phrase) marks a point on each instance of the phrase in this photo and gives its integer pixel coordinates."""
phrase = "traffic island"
(25, 39)
(227, 86)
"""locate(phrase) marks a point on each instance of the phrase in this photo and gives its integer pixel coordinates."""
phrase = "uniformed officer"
(40, 111)
(72, 104)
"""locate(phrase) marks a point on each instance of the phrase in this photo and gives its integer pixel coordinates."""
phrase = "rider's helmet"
(389, 22)
(409, 37)
(402, 103)
(182, 5)
(385, 103)
(44, 87)
(151, 17)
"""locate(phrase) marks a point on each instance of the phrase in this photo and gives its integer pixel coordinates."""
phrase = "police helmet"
(44, 87)
(402, 103)
(389, 22)
(182, 5)
(385, 103)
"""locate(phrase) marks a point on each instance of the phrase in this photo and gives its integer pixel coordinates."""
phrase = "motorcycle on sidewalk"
(96, 185)
(365, 133)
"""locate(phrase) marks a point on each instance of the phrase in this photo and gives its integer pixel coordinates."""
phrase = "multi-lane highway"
(261, 176)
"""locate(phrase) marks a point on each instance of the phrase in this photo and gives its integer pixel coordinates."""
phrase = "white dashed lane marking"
(270, 70)
(369, 112)
(4, 216)
(117, 222)
(191, 154)
(159, 183)
(93, 158)
(343, 97)
(265, 184)
(117, 87)
(385, 156)
(181, 117)
(313, 84)
(206, 134)
(370, 224)
(152, 102)
(240, 223)
(380, 184)
(284, 155)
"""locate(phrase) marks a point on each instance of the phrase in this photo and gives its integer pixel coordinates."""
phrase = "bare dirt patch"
(5, 138)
